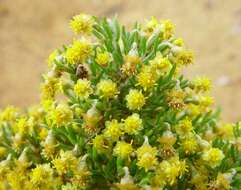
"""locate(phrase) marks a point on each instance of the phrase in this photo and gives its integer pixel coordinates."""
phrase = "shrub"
(117, 113)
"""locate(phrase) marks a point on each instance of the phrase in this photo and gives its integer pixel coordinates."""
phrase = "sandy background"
(31, 29)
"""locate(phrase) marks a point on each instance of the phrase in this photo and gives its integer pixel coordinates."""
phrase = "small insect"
(82, 72)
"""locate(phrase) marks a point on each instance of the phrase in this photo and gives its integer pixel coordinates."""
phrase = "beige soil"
(31, 29)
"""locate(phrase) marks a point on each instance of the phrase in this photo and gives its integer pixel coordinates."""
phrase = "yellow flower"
(83, 88)
(200, 181)
(47, 104)
(50, 87)
(184, 57)
(65, 162)
(17, 180)
(43, 133)
(169, 171)
(184, 126)
(151, 26)
(100, 143)
(129, 66)
(82, 24)
(107, 89)
(10, 113)
(189, 145)
(22, 127)
(178, 42)
(202, 84)
(213, 156)
(123, 149)
(52, 58)
(61, 115)
(168, 29)
(161, 64)
(3, 151)
(103, 58)
(146, 78)
(147, 161)
(167, 138)
(132, 124)
(175, 99)
(78, 52)
(135, 99)
(80, 178)
(146, 156)
(193, 110)
(146, 148)
(113, 130)
(36, 113)
(226, 131)
(224, 180)
(42, 176)
(49, 146)
(205, 101)
(69, 186)
(91, 119)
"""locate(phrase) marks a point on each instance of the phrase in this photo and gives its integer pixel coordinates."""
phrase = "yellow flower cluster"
(169, 170)
(117, 113)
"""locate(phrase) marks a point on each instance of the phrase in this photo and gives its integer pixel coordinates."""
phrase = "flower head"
(78, 52)
(171, 169)
(83, 88)
(189, 145)
(160, 64)
(151, 26)
(132, 124)
(168, 29)
(9, 114)
(147, 77)
(82, 24)
(146, 156)
(213, 156)
(135, 99)
(100, 143)
(52, 58)
(113, 130)
(184, 57)
(50, 87)
(42, 176)
(65, 162)
(107, 89)
(202, 84)
(123, 149)
(130, 64)
(184, 126)
(61, 114)
(103, 58)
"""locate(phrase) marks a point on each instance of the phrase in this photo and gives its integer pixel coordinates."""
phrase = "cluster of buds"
(116, 113)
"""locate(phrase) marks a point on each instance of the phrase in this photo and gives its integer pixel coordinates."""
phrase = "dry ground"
(31, 29)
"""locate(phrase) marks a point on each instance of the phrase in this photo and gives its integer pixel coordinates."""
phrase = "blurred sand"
(31, 29)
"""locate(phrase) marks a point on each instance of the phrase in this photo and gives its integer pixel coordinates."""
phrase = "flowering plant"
(117, 113)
